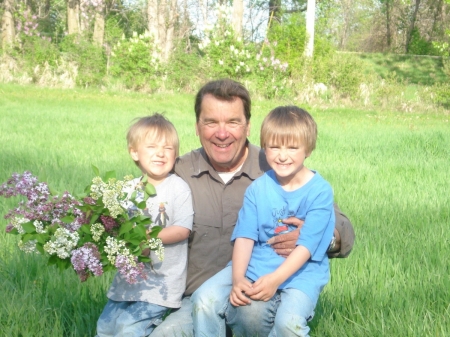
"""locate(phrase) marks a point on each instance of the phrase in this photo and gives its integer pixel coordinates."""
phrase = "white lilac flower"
(220, 62)
(113, 248)
(39, 226)
(28, 247)
(97, 230)
(62, 243)
(157, 245)
(17, 224)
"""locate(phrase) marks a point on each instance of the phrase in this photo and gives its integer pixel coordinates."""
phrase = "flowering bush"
(227, 55)
(136, 61)
(103, 229)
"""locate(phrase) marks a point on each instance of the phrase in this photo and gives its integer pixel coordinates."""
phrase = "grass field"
(389, 171)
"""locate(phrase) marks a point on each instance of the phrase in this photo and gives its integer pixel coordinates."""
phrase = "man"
(218, 174)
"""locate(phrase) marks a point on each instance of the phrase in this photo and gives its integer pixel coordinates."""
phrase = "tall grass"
(389, 173)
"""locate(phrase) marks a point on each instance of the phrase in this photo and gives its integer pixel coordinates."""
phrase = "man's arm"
(344, 237)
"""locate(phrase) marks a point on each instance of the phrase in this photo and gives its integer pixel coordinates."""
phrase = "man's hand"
(284, 244)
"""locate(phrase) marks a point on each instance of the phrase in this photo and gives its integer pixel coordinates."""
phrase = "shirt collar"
(254, 166)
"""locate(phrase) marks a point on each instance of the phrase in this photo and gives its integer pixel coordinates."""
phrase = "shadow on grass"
(413, 69)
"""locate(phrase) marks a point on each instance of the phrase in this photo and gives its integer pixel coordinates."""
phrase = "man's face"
(223, 130)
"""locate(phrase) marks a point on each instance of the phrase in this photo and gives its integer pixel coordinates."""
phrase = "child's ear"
(134, 154)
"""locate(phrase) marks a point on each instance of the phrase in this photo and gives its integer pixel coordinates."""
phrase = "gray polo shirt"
(216, 207)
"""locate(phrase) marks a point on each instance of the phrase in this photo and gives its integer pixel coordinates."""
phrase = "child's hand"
(264, 288)
(237, 294)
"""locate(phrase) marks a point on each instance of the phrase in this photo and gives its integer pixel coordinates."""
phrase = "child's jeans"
(129, 319)
(285, 314)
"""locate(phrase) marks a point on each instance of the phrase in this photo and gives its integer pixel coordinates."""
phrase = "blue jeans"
(178, 323)
(129, 319)
(285, 314)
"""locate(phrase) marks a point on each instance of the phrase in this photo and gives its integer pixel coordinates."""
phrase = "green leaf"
(93, 219)
(53, 259)
(142, 205)
(133, 197)
(144, 259)
(86, 229)
(42, 238)
(140, 231)
(53, 192)
(125, 227)
(68, 219)
(150, 189)
(40, 248)
(155, 231)
(27, 237)
(13, 231)
(63, 264)
(29, 227)
(135, 242)
(96, 171)
(109, 175)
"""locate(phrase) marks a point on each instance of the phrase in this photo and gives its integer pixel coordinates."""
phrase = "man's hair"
(156, 126)
(289, 126)
(224, 90)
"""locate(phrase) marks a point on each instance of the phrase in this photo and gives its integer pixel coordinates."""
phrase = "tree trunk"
(168, 43)
(388, 23)
(73, 16)
(310, 18)
(411, 26)
(238, 14)
(8, 30)
(274, 11)
(99, 27)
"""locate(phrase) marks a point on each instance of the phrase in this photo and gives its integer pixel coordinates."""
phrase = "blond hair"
(289, 125)
(156, 126)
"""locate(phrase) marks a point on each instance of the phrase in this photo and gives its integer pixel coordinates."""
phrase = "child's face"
(156, 158)
(287, 161)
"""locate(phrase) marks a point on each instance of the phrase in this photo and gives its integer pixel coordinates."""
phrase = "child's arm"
(266, 286)
(173, 234)
(242, 252)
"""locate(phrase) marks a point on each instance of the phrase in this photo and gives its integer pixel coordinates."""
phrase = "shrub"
(136, 62)
(91, 59)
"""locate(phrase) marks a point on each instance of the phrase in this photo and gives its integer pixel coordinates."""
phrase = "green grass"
(412, 69)
(389, 172)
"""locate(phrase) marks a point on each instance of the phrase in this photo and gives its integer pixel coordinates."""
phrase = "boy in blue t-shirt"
(288, 136)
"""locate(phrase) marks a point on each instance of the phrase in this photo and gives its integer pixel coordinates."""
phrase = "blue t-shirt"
(266, 203)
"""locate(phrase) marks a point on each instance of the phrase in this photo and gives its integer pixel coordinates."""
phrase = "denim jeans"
(129, 319)
(285, 314)
(178, 323)
(210, 302)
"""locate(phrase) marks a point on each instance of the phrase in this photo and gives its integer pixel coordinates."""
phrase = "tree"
(238, 14)
(8, 31)
(73, 16)
(310, 20)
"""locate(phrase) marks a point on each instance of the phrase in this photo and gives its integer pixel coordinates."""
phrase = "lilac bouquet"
(105, 228)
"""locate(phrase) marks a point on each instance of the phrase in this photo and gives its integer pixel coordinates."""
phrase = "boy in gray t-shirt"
(135, 309)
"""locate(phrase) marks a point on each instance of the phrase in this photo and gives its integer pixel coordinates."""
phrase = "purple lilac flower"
(128, 271)
(89, 201)
(40, 205)
(85, 259)
(109, 223)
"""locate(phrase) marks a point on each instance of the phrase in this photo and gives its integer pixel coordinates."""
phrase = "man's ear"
(134, 155)
(196, 129)
(248, 129)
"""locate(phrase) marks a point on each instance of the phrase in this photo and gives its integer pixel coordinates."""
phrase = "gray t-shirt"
(166, 281)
